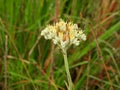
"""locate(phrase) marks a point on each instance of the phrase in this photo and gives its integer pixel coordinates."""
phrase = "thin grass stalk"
(51, 67)
(33, 47)
(5, 64)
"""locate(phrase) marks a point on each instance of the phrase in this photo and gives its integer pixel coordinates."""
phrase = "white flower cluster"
(64, 34)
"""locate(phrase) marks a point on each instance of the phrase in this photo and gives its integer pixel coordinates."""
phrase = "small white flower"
(61, 25)
(75, 27)
(55, 40)
(46, 37)
(45, 31)
(83, 37)
(64, 44)
(42, 33)
(76, 42)
(64, 34)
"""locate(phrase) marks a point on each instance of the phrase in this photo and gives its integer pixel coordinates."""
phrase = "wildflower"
(64, 34)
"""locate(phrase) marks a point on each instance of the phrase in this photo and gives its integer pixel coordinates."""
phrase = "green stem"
(67, 70)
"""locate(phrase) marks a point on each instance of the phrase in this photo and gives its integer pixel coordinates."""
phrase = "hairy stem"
(67, 70)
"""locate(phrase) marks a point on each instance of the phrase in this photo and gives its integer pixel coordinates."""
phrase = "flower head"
(64, 34)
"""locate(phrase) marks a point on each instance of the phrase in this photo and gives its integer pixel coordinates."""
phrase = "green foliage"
(94, 64)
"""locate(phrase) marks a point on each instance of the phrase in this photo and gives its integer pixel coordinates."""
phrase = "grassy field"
(29, 62)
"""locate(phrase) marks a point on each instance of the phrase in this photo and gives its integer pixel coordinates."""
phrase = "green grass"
(94, 64)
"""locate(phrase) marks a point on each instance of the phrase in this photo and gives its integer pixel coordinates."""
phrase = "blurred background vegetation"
(29, 62)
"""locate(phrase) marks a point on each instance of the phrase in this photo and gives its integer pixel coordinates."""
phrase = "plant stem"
(5, 63)
(67, 70)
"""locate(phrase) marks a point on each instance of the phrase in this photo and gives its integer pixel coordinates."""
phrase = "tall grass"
(94, 64)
